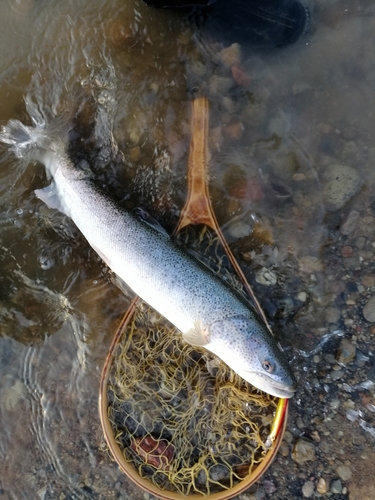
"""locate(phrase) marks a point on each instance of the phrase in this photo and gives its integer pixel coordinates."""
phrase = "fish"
(202, 306)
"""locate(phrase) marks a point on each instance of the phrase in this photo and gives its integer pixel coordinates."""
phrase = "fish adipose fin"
(148, 219)
(197, 335)
(50, 197)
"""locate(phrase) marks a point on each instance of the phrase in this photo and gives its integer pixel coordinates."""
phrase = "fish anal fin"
(198, 335)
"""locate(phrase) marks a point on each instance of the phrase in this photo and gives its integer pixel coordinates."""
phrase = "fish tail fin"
(23, 139)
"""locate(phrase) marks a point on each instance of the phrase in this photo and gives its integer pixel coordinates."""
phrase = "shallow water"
(123, 75)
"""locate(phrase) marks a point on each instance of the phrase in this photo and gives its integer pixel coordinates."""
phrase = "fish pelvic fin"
(50, 197)
(148, 219)
(198, 335)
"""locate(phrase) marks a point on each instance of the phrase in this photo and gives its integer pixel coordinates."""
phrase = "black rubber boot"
(173, 4)
(247, 22)
(257, 22)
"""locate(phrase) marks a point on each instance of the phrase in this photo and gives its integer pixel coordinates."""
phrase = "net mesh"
(182, 418)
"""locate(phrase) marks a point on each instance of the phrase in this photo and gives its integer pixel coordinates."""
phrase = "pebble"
(220, 84)
(230, 56)
(336, 486)
(239, 229)
(218, 473)
(321, 487)
(336, 374)
(284, 449)
(288, 437)
(340, 184)
(332, 315)
(303, 451)
(344, 472)
(198, 68)
(345, 352)
(310, 264)
(325, 446)
(366, 226)
(308, 489)
(347, 251)
(266, 277)
(369, 310)
(366, 254)
(368, 281)
(269, 486)
(349, 223)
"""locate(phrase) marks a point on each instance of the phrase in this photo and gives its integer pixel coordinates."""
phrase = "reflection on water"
(122, 75)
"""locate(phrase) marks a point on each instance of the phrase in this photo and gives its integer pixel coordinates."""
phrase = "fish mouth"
(271, 386)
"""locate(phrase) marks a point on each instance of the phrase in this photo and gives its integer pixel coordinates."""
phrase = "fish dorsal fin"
(148, 219)
(197, 335)
(50, 197)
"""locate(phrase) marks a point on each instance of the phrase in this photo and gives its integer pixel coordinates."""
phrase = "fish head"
(247, 346)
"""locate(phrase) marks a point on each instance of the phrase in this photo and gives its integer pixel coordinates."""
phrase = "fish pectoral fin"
(50, 197)
(148, 219)
(197, 335)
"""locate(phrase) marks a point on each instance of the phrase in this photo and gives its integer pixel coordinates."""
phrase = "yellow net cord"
(183, 419)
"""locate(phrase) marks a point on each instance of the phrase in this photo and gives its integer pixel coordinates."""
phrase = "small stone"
(334, 404)
(284, 449)
(228, 104)
(347, 251)
(288, 437)
(366, 226)
(266, 277)
(330, 358)
(239, 229)
(300, 423)
(269, 486)
(308, 489)
(340, 184)
(369, 310)
(234, 131)
(346, 352)
(332, 315)
(303, 451)
(230, 55)
(219, 473)
(344, 472)
(302, 296)
(366, 254)
(220, 84)
(349, 223)
(315, 436)
(310, 264)
(324, 446)
(240, 76)
(336, 486)
(336, 375)
(198, 68)
(299, 177)
(321, 487)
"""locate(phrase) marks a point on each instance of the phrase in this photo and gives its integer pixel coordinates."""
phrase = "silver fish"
(203, 307)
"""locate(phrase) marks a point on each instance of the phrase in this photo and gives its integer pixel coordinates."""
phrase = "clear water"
(123, 74)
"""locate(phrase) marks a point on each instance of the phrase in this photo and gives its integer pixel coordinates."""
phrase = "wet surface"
(292, 181)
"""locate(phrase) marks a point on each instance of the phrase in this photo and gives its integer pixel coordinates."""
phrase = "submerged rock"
(340, 184)
(369, 310)
(303, 451)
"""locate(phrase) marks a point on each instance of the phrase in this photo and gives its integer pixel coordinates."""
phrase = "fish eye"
(268, 366)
